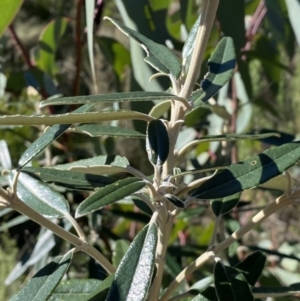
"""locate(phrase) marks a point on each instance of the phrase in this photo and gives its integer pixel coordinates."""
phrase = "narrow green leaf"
(160, 109)
(48, 137)
(48, 44)
(110, 98)
(236, 137)
(100, 293)
(158, 56)
(8, 10)
(121, 248)
(41, 197)
(230, 284)
(251, 172)
(141, 71)
(221, 66)
(252, 266)
(89, 16)
(116, 55)
(97, 130)
(232, 137)
(110, 160)
(110, 194)
(157, 142)
(69, 118)
(141, 205)
(222, 206)
(133, 277)
(70, 179)
(175, 200)
(43, 283)
(97, 165)
(190, 42)
(276, 292)
(200, 298)
(74, 289)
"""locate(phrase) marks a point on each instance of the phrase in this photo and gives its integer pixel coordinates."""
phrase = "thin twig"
(21, 47)
(234, 149)
(76, 226)
(256, 220)
(18, 205)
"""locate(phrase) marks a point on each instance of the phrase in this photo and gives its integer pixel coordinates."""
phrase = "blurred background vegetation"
(44, 52)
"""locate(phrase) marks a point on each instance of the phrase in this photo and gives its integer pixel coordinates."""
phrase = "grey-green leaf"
(222, 206)
(158, 56)
(252, 266)
(110, 194)
(160, 109)
(251, 172)
(43, 283)
(175, 200)
(92, 117)
(133, 277)
(110, 98)
(48, 137)
(41, 197)
(97, 130)
(236, 137)
(109, 161)
(221, 66)
(231, 137)
(190, 41)
(157, 142)
(74, 289)
(89, 17)
(100, 293)
(230, 284)
(67, 178)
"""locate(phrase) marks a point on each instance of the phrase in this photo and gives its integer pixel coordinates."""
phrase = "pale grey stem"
(208, 15)
(76, 226)
(18, 205)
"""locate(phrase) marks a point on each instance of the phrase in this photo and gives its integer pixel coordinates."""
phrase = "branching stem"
(178, 111)
(18, 205)
(280, 202)
(76, 226)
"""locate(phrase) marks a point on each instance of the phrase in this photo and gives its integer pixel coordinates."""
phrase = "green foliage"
(48, 44)
(9, 9)
(133, 276)
(110, 194)
(230, 284)
(158, 56)
(251, 172)
(157, 143)
(178, 196)
(44, 282)
(221, 65)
